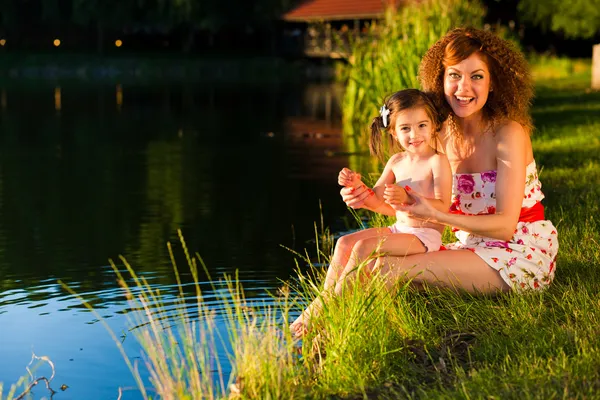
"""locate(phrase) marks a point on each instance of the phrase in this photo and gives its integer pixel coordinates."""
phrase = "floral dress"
(528, 260)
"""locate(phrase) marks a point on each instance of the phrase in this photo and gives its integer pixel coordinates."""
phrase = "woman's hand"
(418, 207)
(349, 178)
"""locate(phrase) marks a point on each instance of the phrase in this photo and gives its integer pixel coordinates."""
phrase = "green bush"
(387, 57)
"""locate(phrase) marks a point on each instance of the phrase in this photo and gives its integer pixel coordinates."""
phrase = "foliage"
(575, 18)
(387, 58)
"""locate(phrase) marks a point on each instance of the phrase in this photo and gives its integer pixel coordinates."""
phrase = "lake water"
(90, 172)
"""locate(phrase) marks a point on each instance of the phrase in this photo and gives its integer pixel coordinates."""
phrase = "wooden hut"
(315, 21)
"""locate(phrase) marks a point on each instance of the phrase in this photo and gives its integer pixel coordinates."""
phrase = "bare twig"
(34, 383)
(38, 380)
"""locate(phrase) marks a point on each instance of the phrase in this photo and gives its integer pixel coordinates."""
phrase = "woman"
(483, 87)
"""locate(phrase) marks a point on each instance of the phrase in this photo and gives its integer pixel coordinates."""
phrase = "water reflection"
(110, 170)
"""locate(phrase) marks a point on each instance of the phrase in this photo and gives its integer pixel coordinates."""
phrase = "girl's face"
(467, 86)
(413, 129)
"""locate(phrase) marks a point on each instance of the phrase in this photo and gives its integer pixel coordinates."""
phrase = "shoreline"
(149, 67)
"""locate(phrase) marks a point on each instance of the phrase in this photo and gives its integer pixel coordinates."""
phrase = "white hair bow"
(384, 112)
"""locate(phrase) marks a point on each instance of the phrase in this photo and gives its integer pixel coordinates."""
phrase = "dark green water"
(89, 173)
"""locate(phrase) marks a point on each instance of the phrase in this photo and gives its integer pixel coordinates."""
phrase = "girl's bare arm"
(376, 202)
(442, 182)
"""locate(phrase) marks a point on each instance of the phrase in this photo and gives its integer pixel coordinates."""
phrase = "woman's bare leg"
(457, 269)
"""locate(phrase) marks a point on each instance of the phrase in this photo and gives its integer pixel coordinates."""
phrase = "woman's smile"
(464, 100)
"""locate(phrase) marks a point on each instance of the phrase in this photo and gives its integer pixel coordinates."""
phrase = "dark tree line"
(185, 20)
(203, 24)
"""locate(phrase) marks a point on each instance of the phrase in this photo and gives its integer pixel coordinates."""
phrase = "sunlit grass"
(545, 66)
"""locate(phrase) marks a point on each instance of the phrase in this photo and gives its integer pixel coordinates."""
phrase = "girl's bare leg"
(365, 247)
(394, 244)
(341, 256)
(343, 251)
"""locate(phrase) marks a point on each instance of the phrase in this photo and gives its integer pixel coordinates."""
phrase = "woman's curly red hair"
(510, 78)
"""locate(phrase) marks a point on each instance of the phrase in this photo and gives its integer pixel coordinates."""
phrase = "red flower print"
(528, 257)
(522, 284)
(536, 284)
(553, 233)
(524, 229)
(520, 241)
(477, 195)
(509, 250)
(455, 206)
(494, 259)
(551, 266)
(544, 251)
(532, 248)
(492, 210)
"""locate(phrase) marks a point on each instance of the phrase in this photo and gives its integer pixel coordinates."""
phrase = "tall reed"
(387, 57)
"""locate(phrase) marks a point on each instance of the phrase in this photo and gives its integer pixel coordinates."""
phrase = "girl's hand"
(396, 196)
(355, 197)
(419, 207)
(349, 178)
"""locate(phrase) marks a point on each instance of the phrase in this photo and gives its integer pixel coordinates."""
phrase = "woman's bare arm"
(511, 157)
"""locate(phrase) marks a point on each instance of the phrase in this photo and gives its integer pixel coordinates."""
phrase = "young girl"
(410, 123)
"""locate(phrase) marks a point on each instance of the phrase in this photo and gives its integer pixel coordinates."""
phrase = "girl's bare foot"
(299, 327)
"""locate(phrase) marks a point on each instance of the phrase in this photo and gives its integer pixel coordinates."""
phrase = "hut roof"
(327, 10)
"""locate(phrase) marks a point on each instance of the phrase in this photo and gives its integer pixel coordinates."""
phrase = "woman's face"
(467, 85)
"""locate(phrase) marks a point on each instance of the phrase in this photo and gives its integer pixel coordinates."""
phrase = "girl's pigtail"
(376, 142)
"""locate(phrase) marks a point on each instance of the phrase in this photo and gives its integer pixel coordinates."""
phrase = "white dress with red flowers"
(528, 260)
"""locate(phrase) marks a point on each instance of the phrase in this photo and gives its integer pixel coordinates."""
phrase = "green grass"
(546, 67)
